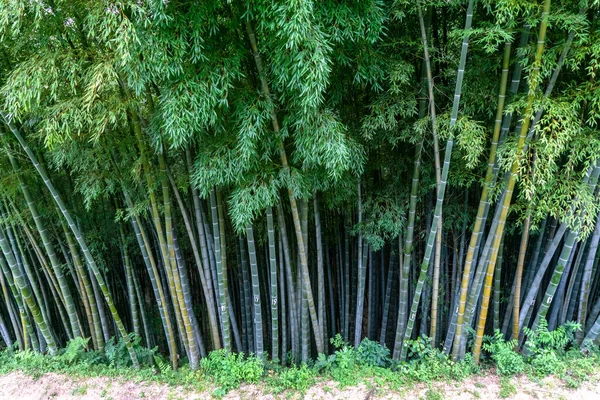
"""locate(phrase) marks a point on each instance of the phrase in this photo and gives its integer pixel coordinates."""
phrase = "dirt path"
(19, 386)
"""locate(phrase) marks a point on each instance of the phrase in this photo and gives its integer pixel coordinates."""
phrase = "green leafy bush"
(229, 370)
(117, 353)
(546, 362)
(75, 350)
(341, 365)
(508, 361)
(426, 363)
(373, 354)
(557, 340)
(294, 378)
(546, 349)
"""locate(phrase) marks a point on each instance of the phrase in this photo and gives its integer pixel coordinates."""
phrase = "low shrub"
(546, 350)
(508, 361)
(373, 354)
(294, 378)
(229, 370)
(427, 364)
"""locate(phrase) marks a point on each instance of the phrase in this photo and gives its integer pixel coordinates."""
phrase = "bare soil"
(19, 386)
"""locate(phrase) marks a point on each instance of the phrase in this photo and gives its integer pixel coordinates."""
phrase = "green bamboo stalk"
(83, 294)
(408, 248)
(346, 327)
(140, 299)
(534, 285)
(4, 333)
(519, 274)
(247, 303)
(443, 179)
(304, 315)
(221, 275)
(187, 297)
(436, 151)
(43, 304)
(430, 240)
(362, 272)
(569, 295)
(320, 271)
(257, 312)
(204, 242)
(282, 302)
(164, 250)
(274, 294)
(294, 318)
(498, 287)
(565, 255)
(133, 309)
(31, 279)
(388, 291)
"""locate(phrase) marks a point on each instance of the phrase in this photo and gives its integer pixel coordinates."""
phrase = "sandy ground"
(19, 386)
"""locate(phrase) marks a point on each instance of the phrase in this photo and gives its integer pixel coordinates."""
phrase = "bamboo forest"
(262, 176)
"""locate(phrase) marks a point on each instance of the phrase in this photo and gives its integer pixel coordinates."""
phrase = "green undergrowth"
(545, 353)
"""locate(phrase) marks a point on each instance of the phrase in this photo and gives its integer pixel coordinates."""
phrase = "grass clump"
(507, 389)
(433, 394)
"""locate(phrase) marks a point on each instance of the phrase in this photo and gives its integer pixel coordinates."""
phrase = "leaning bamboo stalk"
(534, 77)
(17, 327)
(584, 293)
(171, 266)
(519, 274)
(565, 255)
(24, 294)
(482, 207)
(78, 236)
(443, 179)
(87, 287)
(207, 294)
(64, 286)
(293, 204)
(155, 280)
